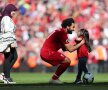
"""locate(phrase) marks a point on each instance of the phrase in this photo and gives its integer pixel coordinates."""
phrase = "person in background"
(8, 42)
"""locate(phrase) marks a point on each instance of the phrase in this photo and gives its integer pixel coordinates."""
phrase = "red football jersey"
(82, 51)
(55, 41)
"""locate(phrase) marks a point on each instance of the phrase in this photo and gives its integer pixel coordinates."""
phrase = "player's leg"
(55, 59)
(63, 62)
(62, 68)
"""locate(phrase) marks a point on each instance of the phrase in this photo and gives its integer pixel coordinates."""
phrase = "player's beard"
(69, 31)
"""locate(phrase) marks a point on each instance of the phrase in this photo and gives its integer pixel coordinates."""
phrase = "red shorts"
(54, 58)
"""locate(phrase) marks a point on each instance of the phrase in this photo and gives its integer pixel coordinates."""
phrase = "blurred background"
(38, 18)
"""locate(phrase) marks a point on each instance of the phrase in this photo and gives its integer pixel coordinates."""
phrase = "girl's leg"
(79, 71)
(14, 57)
(7, 64)
(84, 67)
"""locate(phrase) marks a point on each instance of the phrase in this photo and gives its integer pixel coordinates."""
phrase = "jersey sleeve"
(63, 38)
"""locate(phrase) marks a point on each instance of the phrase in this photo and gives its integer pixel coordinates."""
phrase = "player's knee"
(67, 60)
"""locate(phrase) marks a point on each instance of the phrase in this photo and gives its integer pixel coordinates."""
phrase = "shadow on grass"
(49, 84)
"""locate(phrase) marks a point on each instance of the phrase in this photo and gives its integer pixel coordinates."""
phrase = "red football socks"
(60, 70)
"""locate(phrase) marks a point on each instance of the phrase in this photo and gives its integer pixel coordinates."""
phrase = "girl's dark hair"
(67, 22)
(85, 34)
(7, 10)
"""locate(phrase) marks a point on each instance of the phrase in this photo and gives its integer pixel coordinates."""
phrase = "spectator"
(37, 18)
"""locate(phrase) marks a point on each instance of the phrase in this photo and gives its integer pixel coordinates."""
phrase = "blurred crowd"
(37, 18)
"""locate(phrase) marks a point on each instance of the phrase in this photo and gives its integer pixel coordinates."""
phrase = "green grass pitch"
(39, 81)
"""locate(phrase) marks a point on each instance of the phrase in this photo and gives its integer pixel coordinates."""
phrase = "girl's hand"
(12, 45)
(8, 49)
(82, 42)
(78, 39)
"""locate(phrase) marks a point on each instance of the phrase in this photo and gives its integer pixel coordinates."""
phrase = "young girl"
(82, 53)
(8, 41)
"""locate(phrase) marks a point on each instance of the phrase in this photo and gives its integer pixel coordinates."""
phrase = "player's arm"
(64, 49)
(78, 39)
(68, 47)
(72, 48)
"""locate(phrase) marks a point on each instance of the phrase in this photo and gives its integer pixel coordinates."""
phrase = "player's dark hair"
(67, 22)
(85, 34)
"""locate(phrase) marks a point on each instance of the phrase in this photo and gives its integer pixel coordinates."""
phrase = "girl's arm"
(79, 39)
